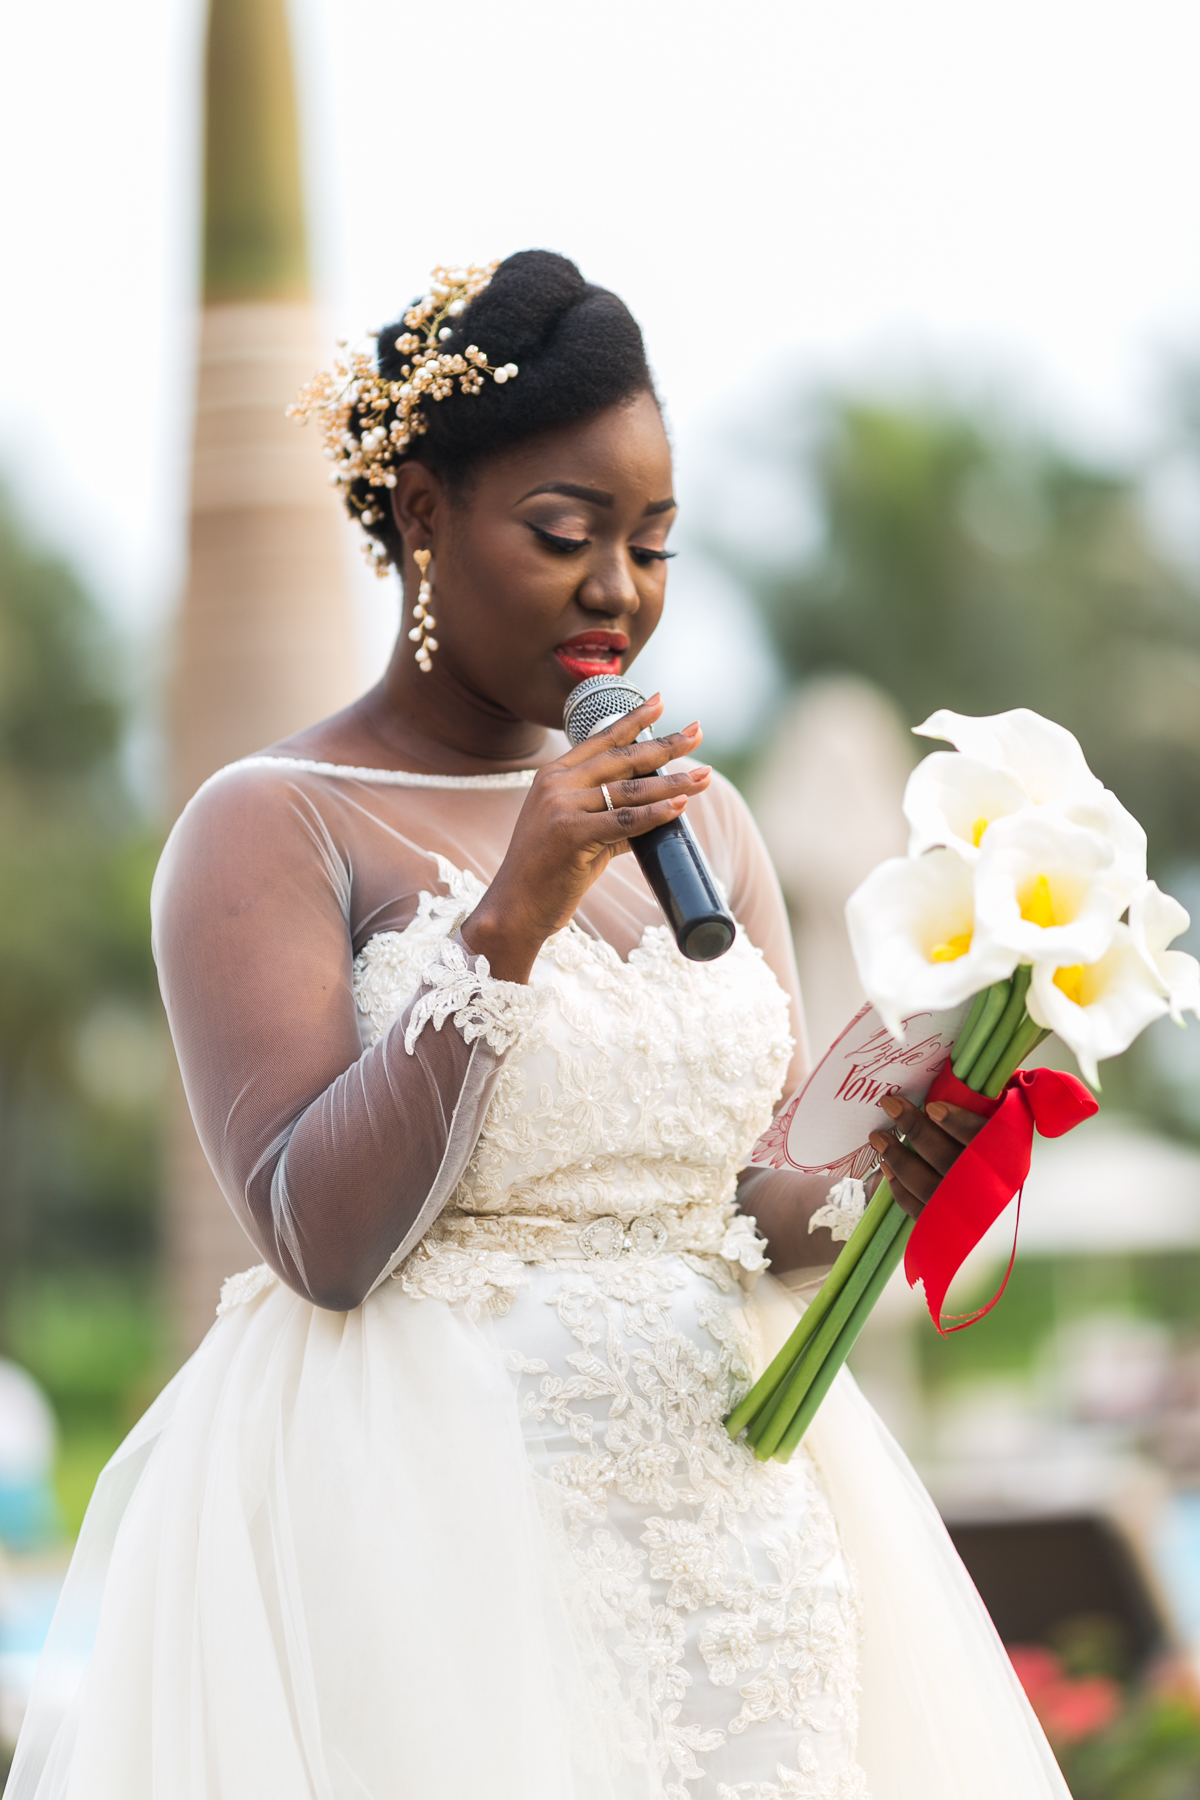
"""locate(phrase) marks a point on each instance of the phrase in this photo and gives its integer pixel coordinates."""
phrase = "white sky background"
(785, 192)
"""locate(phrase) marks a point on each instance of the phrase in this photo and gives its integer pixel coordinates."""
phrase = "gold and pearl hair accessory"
(352, 402)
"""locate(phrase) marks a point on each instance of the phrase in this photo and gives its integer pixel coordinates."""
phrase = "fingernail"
(936, 1111)
(879, 1140)
(892, 1106)
(679, 802)
(690, 730)
(701, 774)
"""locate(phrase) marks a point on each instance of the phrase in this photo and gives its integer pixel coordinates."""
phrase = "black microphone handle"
(673, 864)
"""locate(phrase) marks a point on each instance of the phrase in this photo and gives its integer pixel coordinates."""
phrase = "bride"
(443, 1507)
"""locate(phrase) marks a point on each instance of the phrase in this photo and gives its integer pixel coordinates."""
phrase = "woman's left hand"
(933, 1141)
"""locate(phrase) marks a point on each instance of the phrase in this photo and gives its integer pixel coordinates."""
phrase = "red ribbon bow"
(990, 1171)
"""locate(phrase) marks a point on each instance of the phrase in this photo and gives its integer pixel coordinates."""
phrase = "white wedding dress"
(481, 1535)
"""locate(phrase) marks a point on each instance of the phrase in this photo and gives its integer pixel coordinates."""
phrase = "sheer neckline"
(508, 778)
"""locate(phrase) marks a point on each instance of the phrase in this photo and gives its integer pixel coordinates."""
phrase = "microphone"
(670, 858)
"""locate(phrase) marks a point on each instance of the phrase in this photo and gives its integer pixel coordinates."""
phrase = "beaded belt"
(704, 1230)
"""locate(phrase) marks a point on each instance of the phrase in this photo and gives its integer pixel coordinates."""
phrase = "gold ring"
(607, 796)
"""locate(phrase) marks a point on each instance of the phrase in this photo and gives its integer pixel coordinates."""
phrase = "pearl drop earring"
(425, 621)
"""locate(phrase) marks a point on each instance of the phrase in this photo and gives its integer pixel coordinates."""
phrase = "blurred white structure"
(1110, 1186)
(827, 797)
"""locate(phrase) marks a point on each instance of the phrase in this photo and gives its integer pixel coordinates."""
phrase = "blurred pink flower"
(1069, 1707)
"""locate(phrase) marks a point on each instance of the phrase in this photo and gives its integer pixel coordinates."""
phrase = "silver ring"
(607, 796)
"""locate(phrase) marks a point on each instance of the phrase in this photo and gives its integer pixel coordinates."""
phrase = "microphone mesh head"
(596, 702)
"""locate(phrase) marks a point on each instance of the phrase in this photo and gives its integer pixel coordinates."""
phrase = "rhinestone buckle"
(608, 1237)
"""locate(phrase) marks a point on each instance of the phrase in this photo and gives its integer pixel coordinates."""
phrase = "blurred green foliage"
(962, 564)
(95, 1340)
(1152, 1752)
(82, 1049)
(1046, 1293)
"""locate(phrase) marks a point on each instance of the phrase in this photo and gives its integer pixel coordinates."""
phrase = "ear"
(418, 499)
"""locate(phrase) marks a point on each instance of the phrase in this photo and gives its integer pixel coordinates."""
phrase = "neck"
(440, 720)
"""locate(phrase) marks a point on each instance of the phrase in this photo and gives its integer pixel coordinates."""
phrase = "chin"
(541, 700)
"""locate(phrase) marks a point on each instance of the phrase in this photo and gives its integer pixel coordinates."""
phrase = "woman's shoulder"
(264, 786)
(254, 824)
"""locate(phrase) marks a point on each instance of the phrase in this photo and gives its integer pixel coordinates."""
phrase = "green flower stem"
(753, 1403)
(980, 1024)
(1025, 1038)
(972, 1018)
(999, 1041)
(822, 1343)
(778, 1410)
(823, 1381)
(760, 1404)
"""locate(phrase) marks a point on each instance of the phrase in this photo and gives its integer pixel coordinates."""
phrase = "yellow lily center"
(1070, 981)
(1037, 903)
(952, 949)
(977, 831)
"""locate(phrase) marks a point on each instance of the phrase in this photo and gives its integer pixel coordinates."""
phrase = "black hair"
(578, 349)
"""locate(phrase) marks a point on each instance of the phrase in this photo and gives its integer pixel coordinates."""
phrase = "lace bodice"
(633, 1089)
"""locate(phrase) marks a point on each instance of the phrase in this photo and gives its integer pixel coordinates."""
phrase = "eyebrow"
(597, 496)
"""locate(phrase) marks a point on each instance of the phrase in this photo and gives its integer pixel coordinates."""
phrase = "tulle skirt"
(405, 1553)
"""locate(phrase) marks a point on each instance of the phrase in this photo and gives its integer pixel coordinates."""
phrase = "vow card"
(823, 1129)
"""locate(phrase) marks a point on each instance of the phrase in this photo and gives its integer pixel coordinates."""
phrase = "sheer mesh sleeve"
(733, 844)
(779, 1200)
(336, 1158)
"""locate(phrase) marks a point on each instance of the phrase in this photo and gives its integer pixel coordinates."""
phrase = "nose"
(609, 588)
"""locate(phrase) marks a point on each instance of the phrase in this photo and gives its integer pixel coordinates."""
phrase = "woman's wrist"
(510, 952)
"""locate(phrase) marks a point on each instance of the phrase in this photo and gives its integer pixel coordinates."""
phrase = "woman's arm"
(336, 1160)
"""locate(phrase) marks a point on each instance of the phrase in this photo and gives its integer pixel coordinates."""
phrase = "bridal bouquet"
(1024, 892)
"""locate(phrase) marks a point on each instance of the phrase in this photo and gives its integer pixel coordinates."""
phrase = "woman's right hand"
(565, 835)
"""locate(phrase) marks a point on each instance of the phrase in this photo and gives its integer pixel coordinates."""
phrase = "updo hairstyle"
(578, 349)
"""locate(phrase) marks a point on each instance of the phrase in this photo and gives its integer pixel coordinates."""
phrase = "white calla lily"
(1102, 812)
(951, 800)
(1047, 761)
(1042, 889)
(1155, 920)
(1097, 1008)
(1045, 758)
(913, 932)
(1034, 863)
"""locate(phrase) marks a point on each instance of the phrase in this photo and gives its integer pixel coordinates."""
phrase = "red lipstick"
(592, 653)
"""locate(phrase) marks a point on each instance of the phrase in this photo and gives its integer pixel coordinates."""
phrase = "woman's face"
(551, 566)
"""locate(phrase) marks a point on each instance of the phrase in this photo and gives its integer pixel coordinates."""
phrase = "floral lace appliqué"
(845, 1204)
(482, 1281)
(239, 1290)
(701, 1567)
(500, 1012)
